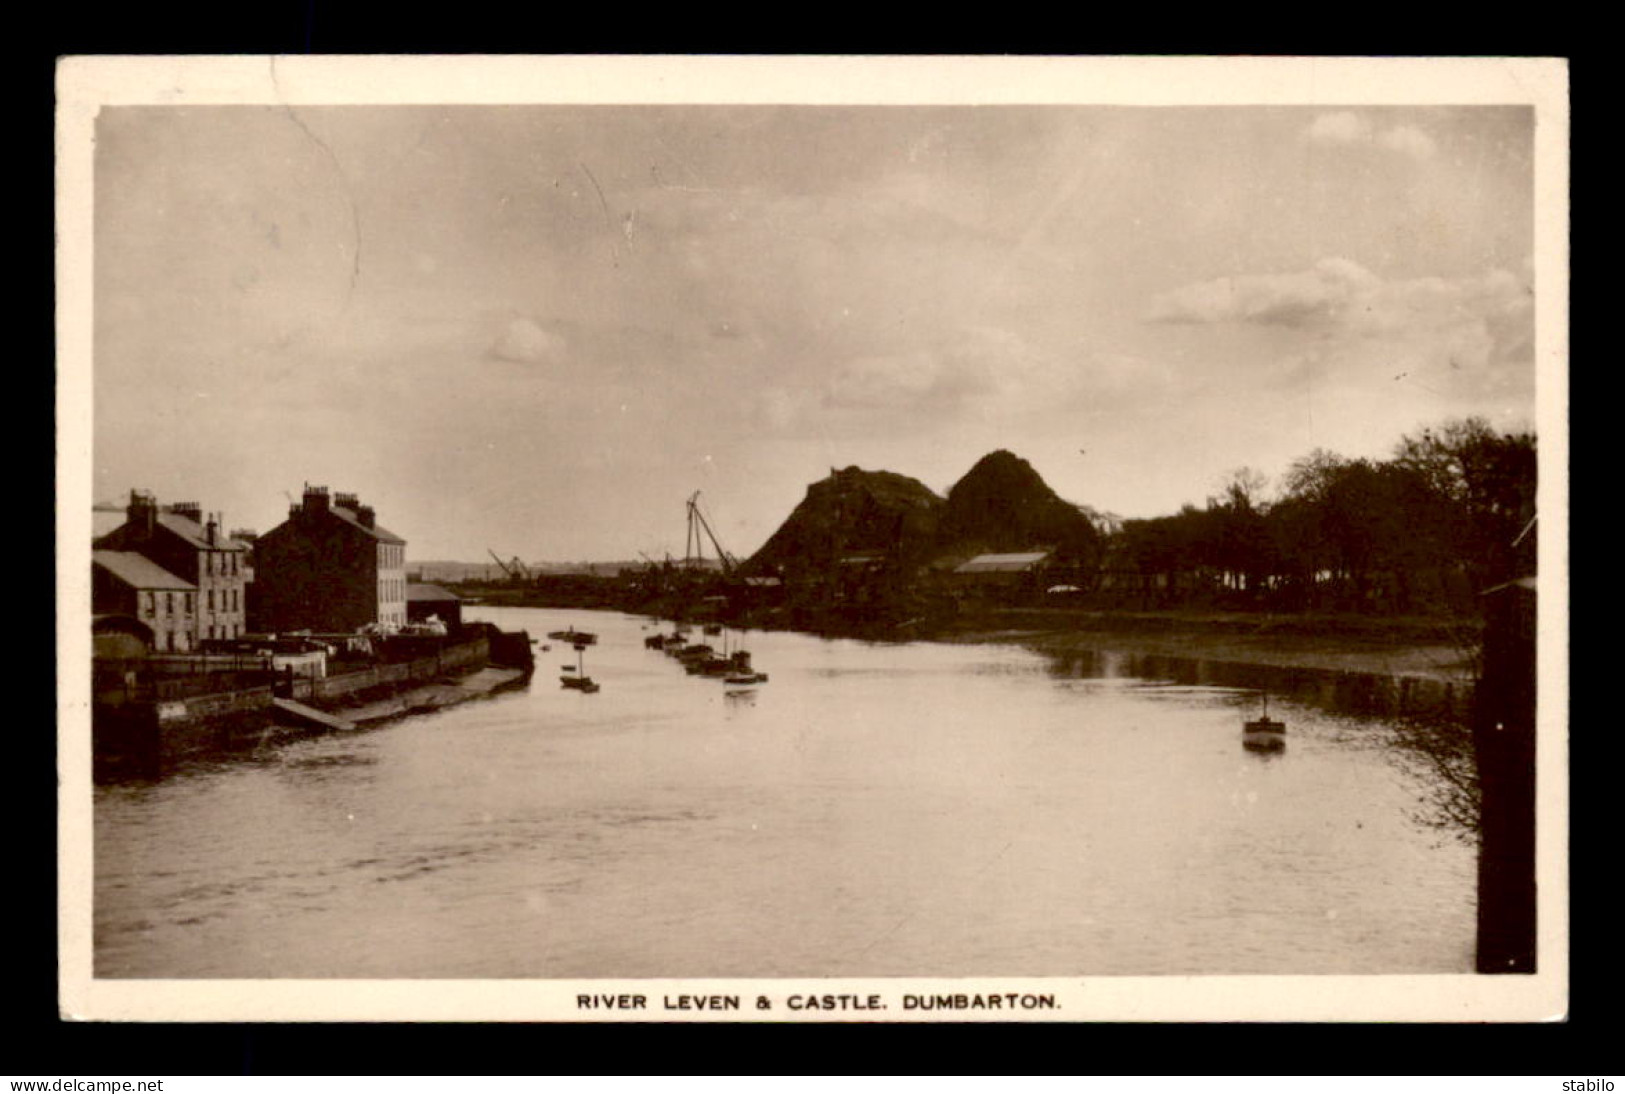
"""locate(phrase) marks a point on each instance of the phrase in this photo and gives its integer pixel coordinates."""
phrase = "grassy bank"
(1430, 649)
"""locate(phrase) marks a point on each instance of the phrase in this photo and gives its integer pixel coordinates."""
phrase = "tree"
(1242, 547)
(1488, 481)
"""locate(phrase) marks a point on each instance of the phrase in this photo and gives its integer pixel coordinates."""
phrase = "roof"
(377, 531)
(189, 530)
(195, 534)
(138, 571)
(1000, 564)
(346, 516)
(415, 591)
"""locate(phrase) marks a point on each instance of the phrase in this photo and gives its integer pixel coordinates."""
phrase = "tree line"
(1447, 517)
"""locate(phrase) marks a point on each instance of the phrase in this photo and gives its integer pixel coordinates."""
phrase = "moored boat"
(1264, 733)
(574, 637)
(575, 676)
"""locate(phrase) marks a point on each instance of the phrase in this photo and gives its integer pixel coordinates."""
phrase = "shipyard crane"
(696, 546)
(514, 569)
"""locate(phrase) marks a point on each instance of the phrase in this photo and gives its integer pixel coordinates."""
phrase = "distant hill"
(849, 513)
(453, 571)
(1002, 504)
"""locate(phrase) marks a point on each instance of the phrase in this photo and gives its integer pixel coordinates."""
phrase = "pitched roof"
(376, 531)
(138, 571)
(995, 564)
(194, 533)
(415, 591)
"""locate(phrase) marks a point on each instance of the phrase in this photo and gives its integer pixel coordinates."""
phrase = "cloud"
(524, 341)
(1346, 127)
(974, 372)
(1308, 298)
(900, 380)
(1450, 336)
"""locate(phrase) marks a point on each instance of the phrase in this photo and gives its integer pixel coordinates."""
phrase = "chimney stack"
(365, 514)
(142, 512)
(191, 510)
(211, 531)
(316, 499)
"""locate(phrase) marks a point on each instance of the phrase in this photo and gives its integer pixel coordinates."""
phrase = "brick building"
(179, 539)
(329, 568)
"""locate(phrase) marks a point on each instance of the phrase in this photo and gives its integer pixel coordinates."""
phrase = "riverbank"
(1439, 650)
(150, 724)
(1442, 650)
(418, 700)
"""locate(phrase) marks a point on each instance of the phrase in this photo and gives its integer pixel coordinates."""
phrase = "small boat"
(574, 637)
(713, 628)
(745, 678)
(1264, 734)
(575, 676)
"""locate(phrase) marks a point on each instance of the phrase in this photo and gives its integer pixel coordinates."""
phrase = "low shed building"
(423, 601)
(1008, 569)
(1003, 577)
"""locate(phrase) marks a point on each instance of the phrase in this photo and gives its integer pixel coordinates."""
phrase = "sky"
(540, 329)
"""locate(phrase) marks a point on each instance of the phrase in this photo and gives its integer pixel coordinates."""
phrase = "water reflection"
(1424, 729)
(1354, 693)
(1267, 748)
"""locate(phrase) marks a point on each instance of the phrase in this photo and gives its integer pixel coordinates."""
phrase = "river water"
(872, 810)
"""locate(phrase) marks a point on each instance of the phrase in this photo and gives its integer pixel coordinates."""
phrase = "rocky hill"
(1002, 504)
(853, 512)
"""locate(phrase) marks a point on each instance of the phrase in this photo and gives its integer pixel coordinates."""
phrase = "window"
(169, 603)
(208, 562)
(188, 603)
(152, 603)
(211, 604)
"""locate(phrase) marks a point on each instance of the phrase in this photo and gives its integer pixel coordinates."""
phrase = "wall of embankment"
(173, 728)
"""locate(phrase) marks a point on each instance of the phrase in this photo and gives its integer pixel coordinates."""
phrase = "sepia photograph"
(812, 539)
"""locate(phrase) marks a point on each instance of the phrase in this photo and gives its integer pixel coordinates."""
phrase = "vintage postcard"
(811, 539)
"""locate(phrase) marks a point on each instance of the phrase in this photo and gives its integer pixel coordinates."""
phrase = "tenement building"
(329, 568)
(181, 541)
